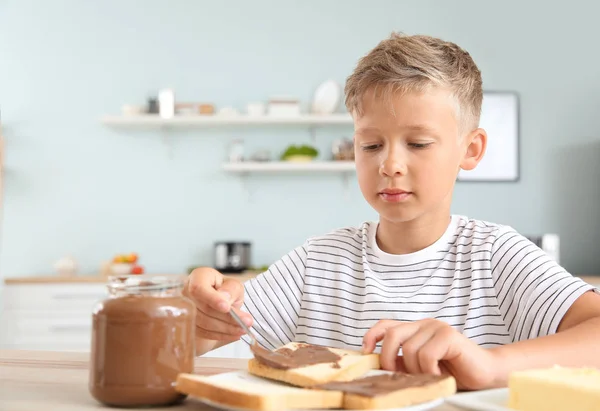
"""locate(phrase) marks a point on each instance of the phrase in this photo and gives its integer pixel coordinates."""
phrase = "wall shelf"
(153, 120)
(281, 166)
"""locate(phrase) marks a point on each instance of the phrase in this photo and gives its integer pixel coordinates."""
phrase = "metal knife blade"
(241, 323)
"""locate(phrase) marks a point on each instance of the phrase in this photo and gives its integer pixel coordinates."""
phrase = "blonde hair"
(403, 63)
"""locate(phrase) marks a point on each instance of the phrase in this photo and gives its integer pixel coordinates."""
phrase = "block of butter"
(556, 388)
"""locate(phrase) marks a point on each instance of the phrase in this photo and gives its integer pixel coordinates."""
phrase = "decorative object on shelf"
(261, 156)
(153, 106)
(228, 111)
(194, 109)
(327, 98)
(283, 106)
(301, 153)
(132, 110)
(206, 109)
(236, 151)
(186, 109)
(256, 109)
(166, 103)
(66, 267)
(343, 150)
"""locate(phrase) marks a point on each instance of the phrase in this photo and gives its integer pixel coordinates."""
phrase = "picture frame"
(500, 118)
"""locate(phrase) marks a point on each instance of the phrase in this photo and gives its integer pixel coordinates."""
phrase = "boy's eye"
(419, 145)
(371, 147)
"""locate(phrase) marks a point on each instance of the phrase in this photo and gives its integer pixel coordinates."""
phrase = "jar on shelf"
(142, 338)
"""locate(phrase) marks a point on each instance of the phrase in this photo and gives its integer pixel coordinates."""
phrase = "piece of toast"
(356, 399)
(352, 364)
(244, 391)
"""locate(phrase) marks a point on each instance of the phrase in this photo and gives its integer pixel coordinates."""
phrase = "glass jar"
(142, 338)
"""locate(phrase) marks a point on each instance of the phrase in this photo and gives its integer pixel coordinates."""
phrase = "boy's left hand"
(432, 347)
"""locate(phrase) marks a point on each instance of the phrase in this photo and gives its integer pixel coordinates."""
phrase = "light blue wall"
(74, 186)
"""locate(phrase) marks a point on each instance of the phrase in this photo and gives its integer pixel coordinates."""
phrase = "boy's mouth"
(394, 195)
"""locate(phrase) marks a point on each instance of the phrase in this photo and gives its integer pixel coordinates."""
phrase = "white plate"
(243, 377)
(420, 407)
(486, 400)
(327, 98)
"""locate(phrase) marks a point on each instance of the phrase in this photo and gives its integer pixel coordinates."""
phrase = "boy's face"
(407, 159)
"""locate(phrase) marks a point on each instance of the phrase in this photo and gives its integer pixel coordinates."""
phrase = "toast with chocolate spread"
(305, 365)
(391, 390)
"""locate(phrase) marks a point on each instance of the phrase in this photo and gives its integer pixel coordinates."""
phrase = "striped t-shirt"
(485, 280)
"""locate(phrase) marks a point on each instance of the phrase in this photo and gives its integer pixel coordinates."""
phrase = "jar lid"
(133, 282)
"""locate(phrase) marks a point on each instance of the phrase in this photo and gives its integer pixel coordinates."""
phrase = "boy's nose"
(392, 166)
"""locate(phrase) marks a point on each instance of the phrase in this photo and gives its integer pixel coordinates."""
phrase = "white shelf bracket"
(245, 187)
(313, 134)
(164, 135)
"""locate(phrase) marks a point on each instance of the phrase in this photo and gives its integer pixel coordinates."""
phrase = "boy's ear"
(476, 143)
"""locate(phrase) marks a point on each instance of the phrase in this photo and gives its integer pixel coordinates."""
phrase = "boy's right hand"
(213, 295)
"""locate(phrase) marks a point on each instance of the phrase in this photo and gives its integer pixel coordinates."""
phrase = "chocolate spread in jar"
(303, 356)
(382, 384)
(142, 338)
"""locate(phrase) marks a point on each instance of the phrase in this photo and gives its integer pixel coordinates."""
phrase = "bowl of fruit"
(125, 264)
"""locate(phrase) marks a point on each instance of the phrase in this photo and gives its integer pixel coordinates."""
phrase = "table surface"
(52, 381)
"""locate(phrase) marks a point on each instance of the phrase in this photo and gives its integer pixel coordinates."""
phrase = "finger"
(412, 347)
(202, 287)
(204, 310)
(233, 291)
(394, 337)
(208, 322)
(400, 367)
(376, 334)
(210, 334)
(432, 352)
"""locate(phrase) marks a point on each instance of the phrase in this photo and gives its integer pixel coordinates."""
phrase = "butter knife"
(241, 323)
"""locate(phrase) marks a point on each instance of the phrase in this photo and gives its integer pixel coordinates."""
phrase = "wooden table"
(57, 381)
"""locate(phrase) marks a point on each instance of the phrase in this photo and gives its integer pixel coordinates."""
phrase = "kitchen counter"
(53, 381)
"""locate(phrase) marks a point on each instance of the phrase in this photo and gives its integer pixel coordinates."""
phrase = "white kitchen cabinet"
(49, 316)
(58, 317)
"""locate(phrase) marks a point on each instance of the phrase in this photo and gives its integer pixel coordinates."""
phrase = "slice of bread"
(555, 388)
(356, 396)
(352, 364)
(243, 391)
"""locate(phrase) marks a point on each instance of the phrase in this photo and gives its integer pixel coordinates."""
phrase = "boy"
(455, 295)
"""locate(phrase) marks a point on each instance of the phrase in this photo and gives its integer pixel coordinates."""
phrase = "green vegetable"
(303, 150)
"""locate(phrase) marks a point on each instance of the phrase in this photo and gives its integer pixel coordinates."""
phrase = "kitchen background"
(74, 186)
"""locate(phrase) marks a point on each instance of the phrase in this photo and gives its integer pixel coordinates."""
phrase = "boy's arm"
(552, 317)
(575, 344)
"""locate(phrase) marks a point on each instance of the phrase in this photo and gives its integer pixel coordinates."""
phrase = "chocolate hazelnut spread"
(303, 356)
(382, 384)
(142, 338)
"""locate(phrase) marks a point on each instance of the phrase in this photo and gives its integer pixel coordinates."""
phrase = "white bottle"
(551, 245)
(166, 103)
